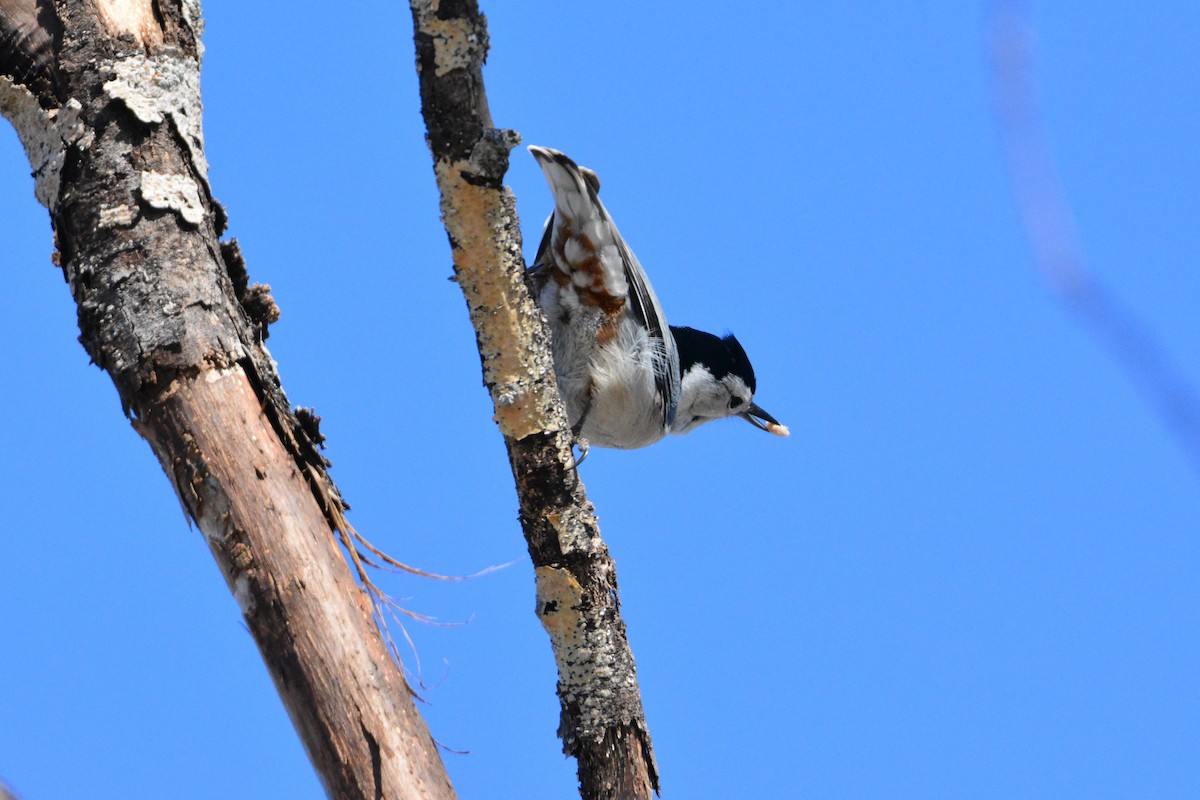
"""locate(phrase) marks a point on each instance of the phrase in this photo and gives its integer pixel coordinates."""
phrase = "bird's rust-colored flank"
(594, 290)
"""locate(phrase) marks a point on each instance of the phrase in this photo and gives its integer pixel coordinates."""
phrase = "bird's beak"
(764, 421)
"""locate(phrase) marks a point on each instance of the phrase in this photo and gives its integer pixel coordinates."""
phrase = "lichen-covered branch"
(602, 722)
(105, 96)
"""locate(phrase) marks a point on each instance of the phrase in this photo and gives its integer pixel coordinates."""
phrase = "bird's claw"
(583, 446)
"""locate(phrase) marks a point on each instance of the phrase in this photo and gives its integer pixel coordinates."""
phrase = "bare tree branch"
(1050, 227)
(602, 722)
(110, 121)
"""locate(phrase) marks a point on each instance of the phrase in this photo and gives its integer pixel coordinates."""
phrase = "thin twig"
(1050, 227)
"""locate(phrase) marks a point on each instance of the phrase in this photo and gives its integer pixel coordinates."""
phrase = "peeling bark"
(105, 97)
(602, 722)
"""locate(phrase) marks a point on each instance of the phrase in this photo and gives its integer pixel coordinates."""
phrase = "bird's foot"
(583, 446)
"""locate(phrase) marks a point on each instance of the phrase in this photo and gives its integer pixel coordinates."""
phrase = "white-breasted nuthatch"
(627, 378)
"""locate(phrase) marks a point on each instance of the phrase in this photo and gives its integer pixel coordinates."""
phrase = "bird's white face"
(704, 398)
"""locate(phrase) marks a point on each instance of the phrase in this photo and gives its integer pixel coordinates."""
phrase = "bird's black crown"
(722, 355)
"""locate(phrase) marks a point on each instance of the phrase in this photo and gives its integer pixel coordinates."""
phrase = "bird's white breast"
(625, 408)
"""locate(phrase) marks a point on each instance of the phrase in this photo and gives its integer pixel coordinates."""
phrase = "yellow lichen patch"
(476, 222)
(457, 45)
(558, 599)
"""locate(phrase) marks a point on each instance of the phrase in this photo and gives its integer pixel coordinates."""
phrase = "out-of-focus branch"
(28, 29)
(117, 152)
(1050, 227)
(602, 722)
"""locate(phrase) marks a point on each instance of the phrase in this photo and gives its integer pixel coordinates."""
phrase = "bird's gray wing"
(645, 308)
(537, 274)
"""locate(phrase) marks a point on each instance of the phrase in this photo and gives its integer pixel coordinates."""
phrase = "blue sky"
(971, 572)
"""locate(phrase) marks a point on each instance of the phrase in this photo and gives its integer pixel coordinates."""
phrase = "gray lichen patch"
(121, 216)
(45, 135)
(192, 16)
(177, 193)
(595, 673)
(162, 88)
(575, 530)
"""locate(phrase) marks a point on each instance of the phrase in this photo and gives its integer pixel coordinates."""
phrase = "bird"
(626, 377)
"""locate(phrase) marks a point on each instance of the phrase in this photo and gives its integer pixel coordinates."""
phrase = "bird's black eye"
(735, 401)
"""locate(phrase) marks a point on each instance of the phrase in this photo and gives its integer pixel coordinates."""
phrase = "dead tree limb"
(602, 722)
(105, 96)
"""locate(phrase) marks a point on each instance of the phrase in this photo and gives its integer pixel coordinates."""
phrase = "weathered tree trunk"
(104, 95)
(602, 722)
